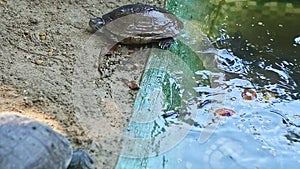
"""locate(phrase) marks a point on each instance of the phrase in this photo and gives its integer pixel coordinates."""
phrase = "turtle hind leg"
(166, 43)
(111, 50)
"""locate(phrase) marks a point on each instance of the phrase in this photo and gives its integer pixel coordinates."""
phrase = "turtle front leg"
(166, 43)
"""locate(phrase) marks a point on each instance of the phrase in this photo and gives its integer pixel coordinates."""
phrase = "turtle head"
(96, 23)
(80, 159)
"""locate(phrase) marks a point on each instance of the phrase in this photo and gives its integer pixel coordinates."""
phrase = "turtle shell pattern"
(140, 24)
(26, 144)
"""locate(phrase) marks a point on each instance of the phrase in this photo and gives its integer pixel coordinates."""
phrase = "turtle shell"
(26, 143)
(139, 24)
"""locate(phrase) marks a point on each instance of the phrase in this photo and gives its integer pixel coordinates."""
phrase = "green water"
(253, 45)
(261, 33)
(263, 37)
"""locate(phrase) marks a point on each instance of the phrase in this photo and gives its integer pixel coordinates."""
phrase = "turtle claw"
(166, 43)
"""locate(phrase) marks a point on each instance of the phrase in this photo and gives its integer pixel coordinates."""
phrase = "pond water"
(256, 48)
(247, 113)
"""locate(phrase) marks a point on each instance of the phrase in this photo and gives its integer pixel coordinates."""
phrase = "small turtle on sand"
(28, 144)
(139, 24)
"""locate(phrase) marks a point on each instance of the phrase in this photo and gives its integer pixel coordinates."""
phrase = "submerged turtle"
(139, 24)
(26, 143)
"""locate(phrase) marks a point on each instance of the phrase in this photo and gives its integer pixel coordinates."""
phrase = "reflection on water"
(245, 113)
(257, 51)
(263, 38)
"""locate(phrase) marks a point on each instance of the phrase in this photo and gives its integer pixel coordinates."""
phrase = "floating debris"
(225, 112)
(249, 94)
(267, 95)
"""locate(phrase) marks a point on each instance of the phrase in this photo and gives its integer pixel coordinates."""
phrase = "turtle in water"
(139, 24)
(26, 143)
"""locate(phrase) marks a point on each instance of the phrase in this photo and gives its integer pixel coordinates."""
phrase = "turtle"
(29, 144)
(139, 24)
